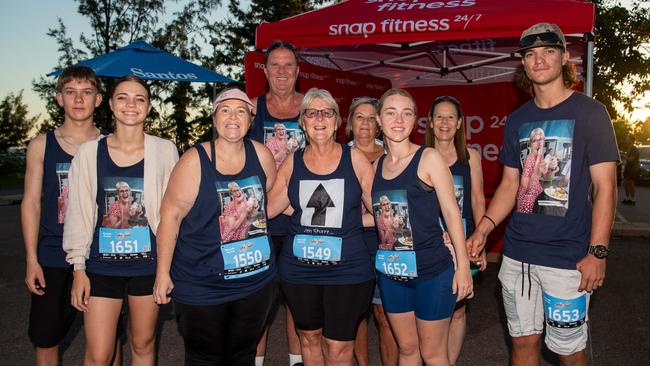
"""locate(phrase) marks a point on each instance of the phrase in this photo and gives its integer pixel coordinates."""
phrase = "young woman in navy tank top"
(445, 131)
(325, 268)
(418, 284)
(116, 186)
(363, 129)
(215, 257)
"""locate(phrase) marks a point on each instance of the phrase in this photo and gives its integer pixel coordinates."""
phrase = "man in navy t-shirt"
(559, 155)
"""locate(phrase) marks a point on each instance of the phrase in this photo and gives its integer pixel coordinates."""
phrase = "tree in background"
(621, 54)
(14, 121)
(236, 35)
(116, 23)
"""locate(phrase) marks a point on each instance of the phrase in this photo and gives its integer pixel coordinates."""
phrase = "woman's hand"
(462, 285)
(80, 290)
(162, 288)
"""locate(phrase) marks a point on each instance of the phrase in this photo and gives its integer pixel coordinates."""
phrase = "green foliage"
(14, 121)
(116, 23)
(620, 57)
(236, 35)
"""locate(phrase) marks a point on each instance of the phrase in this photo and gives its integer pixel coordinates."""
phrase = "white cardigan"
(160, 156)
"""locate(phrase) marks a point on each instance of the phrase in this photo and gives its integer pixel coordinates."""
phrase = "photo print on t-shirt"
(242, 209)
(124, 232)
(459, 192)
(392, 219)
(283, 138)
(321, 202)
(62, 200)
(123, 203)
(546, 148)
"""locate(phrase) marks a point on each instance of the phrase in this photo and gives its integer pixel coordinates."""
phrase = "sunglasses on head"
(541, 39)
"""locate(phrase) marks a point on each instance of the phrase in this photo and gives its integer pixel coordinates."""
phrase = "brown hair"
(77, 73)
(569, 78)
(279, 44)
(460, 141)
(396, 91)
(357, 102)
(134, 79)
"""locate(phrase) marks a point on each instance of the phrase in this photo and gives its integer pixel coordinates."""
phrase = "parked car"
(644, 163)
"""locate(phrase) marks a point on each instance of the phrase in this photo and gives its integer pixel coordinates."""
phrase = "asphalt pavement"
(619, 315)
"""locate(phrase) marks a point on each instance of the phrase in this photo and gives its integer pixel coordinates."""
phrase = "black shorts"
(336, 309)
(116, 287)
(631, 173)
(52, 315)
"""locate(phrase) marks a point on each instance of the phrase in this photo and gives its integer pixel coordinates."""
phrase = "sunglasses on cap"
(540, 39)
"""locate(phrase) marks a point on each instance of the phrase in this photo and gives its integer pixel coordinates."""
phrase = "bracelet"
(492, 221)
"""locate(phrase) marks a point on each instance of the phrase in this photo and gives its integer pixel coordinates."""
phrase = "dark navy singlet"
(326, 245)
(463, 189)
(209, 253)
(263, 126)
(414, 224)
(123, 243)
(56, 163)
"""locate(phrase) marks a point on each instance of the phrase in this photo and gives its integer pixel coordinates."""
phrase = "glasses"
(312, 113)
(540, 39)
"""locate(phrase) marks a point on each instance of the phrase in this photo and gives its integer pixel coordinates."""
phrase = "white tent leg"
(589, 77)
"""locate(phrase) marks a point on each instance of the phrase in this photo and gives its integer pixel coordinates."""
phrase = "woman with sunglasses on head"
(419, 287)
(113, 261)
(445, 131)
(325, 269)
(214, 250)
(362, 128)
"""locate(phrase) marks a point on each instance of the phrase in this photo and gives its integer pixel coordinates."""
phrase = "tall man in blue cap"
(559, 155)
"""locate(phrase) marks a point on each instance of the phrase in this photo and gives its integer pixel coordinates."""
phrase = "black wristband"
(492, 221)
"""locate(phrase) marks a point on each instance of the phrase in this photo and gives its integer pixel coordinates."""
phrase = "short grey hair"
(322, 94)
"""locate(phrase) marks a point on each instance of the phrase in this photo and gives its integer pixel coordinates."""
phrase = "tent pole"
(589, 76)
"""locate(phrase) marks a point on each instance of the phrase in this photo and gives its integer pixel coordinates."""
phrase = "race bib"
(124, 244)
(561, 313)
(246, 257)
(317, 249)
(398, 265)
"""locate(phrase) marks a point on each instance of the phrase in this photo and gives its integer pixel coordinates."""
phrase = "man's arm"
(30, 213)
(500, 207)
(603, 176)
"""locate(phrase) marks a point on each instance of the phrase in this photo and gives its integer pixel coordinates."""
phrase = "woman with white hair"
(325, 268)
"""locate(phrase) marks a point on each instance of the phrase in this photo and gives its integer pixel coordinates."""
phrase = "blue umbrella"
(149, 63)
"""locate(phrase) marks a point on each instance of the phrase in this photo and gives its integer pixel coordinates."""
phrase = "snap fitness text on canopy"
(397, 5)
(389, 26)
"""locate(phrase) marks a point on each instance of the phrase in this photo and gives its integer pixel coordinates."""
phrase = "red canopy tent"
(464, 48)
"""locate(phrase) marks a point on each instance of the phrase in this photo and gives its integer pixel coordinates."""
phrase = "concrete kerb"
(12, 199)
(631, 229)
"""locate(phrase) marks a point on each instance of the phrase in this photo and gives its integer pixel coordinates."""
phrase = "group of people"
(275, 210)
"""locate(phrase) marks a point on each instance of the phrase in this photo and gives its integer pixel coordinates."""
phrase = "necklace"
(62, 136)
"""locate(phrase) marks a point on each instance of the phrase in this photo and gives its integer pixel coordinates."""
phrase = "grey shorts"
(530, 291)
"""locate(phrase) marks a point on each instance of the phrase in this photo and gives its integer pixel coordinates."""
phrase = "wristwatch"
(599, 251)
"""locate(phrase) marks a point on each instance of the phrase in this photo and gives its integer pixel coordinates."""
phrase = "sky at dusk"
(29, 53)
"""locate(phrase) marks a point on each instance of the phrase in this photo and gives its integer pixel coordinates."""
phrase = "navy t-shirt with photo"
(553, 149)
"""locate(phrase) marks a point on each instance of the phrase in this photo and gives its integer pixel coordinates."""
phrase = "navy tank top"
(407, 217)
(222, 253)
(56, 163)
(263, 131)
(326, 245)
(463, 190)
(123, 243)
